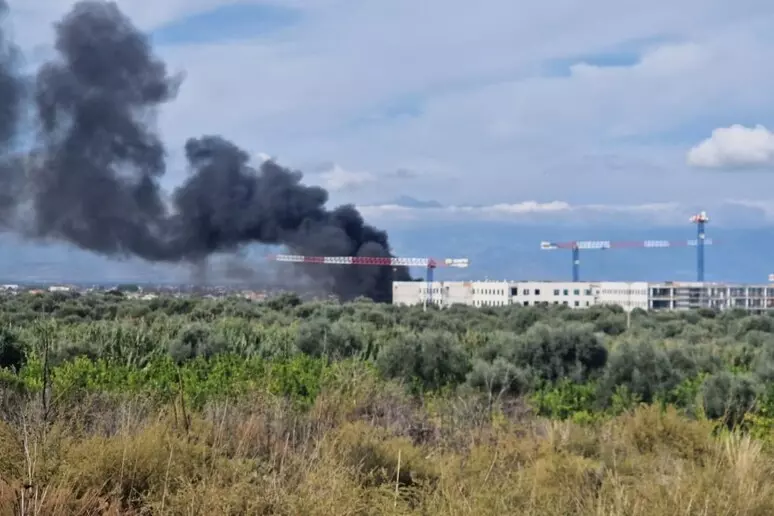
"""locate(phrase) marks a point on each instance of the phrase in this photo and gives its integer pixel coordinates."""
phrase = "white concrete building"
(688, 295)
(628, 295)
(444, 293)
(530, 293)
(490, 293)
(495, 293)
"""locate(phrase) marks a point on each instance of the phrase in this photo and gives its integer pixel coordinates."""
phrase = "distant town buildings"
(59, 288)
(149, 292)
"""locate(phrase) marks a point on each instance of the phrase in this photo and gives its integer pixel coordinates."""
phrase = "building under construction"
(577, 294)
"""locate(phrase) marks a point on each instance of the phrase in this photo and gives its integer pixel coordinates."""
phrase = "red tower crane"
(428, 263)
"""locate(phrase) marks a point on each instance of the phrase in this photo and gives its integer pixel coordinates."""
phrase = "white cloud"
(336, 178)
(493, 124)
(734, 147)
(482, 97)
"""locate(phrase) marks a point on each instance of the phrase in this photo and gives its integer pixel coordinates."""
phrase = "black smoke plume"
(10, 86)
(11, 103)
(98, 163)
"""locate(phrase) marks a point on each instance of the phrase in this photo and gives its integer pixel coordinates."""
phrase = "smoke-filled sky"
(92, 175)
(588, 103)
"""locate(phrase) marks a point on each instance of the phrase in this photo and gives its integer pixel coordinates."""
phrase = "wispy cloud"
(727, 213)
(525, 211)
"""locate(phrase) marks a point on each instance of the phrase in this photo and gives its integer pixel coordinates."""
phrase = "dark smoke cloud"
(11, 102)
(276, 277)
(98, 185)
(10, 85)
(95, 181)
(226, 203)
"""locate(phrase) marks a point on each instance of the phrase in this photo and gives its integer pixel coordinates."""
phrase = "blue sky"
(235, 22)
(539, 108)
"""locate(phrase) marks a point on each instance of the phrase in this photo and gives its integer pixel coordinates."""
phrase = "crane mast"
(700, 219)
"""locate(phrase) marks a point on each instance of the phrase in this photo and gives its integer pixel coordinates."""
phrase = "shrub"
(434, 359)
(645, 369)
(552, 353)
(729, 397)
(11, 353)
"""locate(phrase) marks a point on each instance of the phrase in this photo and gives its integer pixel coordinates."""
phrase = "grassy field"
(114, 406)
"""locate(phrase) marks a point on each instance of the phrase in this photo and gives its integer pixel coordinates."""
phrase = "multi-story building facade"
(576, 295)
(628, 295)
(687, 295)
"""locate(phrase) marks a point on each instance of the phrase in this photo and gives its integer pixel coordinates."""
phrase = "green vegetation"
(186, 406)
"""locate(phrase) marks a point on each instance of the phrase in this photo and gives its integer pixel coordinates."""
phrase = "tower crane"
(430, 264)
(576, 246)
(700, 219)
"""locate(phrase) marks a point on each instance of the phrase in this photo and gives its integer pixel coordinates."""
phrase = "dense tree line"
(568, 362)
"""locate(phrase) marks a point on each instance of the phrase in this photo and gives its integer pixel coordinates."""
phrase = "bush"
(499, 377)
(433, 359)
(552, 353)
(196, 340)
(11, 353)
(729, 397)
(645, 369)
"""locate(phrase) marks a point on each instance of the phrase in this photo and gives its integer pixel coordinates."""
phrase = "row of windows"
(577, 292)
(526, 291)
(714, 291)
(636, 304)
(536, 292)
(565, 303)
(740, 292)
(526, 303)
(557, 292)
(658, 292)
(489, 291)
(564, 292)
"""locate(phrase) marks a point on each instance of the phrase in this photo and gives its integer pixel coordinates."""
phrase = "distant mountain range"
(503, 250)
(410, 202)
(509, 251)
(496, 251)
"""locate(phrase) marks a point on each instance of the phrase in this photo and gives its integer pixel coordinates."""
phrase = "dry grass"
(370, 450)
